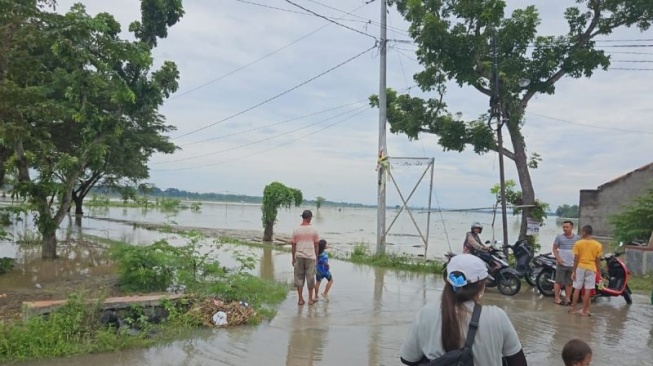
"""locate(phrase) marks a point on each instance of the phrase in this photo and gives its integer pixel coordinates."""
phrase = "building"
(597, 205)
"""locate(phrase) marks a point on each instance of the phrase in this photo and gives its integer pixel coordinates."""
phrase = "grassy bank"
(77, 327)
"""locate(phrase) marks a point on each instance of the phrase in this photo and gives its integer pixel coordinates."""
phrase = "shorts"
(585, 279)
(304, 271)
(563, 275)
(319, 276)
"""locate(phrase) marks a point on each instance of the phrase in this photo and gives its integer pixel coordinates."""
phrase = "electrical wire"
(265, 150)
(267, 138)
(276, 123)
(591, 126)
(257, 60)
(278, 95)
(370, 21)
(332, 21)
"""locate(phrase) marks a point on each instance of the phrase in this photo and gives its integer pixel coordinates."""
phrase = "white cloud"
(214, 38)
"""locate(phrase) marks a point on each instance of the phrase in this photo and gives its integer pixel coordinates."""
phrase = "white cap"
(471, 266)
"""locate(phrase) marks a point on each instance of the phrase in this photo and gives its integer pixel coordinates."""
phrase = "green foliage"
(72, 329)
(399, 261)
(275, 196)
(159, 266)
(78, 102)
(196, 206)
(29, 239)
(319, 200)
(567, 211)
(7, 264)
(514, 197)
(636, 219)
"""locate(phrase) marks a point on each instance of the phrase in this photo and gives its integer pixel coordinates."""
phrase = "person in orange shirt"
(587, 262)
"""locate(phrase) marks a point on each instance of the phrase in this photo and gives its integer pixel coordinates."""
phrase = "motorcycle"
(614, 279)
(544, 281)
(523, 261)
(504, 277)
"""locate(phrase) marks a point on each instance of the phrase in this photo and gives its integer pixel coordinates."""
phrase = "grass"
(70, 330)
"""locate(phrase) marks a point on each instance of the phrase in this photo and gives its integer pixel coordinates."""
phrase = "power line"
(629, 69)
(278, 95)
(276, 123)
(591, 126)
(272, 7)
(332, 21)
(268, 138)
(259, 59)
(362, 18)
(265, 150)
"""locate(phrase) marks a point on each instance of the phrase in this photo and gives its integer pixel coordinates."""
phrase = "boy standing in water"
(322, 270)
(587, 263)
(577, 353)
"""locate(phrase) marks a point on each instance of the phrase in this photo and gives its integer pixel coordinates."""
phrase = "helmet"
(477, 225)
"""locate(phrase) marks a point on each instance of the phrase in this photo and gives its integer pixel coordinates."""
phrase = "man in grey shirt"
(563, 250)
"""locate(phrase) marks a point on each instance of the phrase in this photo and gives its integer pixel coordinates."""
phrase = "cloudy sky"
(322, 139)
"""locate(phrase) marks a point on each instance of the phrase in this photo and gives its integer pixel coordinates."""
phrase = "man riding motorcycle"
(472, 243)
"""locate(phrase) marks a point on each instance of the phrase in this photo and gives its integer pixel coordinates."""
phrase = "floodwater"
(368, 315)
(341, 226)
(370, 312)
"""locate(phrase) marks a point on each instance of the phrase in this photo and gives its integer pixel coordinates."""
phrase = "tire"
(543, 282)
(531, 278)
(508, 283)
(626, 295)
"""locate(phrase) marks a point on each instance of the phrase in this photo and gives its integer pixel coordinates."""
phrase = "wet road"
(368, 315)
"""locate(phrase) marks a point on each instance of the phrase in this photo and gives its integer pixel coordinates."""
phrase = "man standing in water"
(304, 243)
(587, 261)
(563, 246)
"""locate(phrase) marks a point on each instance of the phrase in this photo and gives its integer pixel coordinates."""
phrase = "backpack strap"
(473, 326)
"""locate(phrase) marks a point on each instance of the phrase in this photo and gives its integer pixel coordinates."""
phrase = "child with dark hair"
(577, 353)
(323, 270)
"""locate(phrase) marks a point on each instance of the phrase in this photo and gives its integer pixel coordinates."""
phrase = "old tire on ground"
(508, 283)
(544, 282)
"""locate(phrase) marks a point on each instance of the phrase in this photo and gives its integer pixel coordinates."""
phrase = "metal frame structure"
(430, 164)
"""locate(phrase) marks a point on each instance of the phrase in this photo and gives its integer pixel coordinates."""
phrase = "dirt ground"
(11, 302)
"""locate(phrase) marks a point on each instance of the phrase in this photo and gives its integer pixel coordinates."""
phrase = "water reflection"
(308, 337)
(267, 264)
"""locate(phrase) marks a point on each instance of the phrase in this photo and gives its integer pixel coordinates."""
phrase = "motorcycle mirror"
(487, 242)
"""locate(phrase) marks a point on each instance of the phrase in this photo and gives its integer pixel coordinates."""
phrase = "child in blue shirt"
(322, 270)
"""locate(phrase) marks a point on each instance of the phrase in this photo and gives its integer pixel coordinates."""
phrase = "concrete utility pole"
(496, 111)
(380, 224)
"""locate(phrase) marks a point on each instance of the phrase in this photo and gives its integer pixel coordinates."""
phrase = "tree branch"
(583, 39)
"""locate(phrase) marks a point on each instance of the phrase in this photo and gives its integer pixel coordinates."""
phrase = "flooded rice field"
(370, 308)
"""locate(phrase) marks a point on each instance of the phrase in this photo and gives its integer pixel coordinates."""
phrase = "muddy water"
(368, 315)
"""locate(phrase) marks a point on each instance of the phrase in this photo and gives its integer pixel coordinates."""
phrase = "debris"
(220, 318)
(236, 312)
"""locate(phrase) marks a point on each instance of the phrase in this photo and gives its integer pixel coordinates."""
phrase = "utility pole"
(495, 103)
(380, 224)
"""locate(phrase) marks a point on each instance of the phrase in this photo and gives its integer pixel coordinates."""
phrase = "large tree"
(453, 39)
(71, 90)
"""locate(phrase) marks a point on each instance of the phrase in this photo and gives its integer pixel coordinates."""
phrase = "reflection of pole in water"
(373, 349)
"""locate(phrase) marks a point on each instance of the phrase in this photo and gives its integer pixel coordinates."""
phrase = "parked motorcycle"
(504, 277)
(523, 261)
(614, 279)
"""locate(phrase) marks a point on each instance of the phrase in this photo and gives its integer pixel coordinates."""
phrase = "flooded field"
(369, 312)
(368, 315)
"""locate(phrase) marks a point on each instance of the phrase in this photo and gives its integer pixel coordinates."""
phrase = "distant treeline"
(218, 197)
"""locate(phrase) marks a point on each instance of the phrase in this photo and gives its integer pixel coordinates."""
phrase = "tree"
(319, 200)
(513, 197)
(567, 211)
(69, 90)
(635, 222)
(275, 196)
(453, 38)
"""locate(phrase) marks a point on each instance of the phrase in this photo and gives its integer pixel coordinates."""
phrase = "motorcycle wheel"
(544, 282)
(626, 295)
(530, 277)
(508, 283)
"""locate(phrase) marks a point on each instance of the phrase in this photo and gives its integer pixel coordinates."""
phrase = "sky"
(321, 138)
